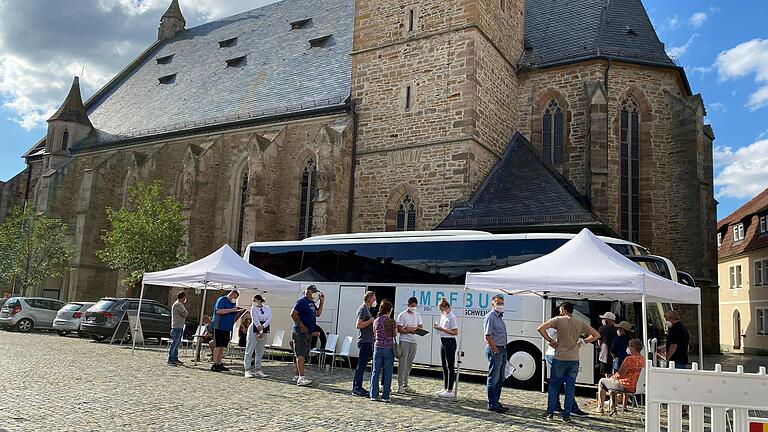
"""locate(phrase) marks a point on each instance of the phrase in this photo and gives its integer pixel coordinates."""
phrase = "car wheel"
(527, 362)
(127, 337)
(62, 333)
(25, 325)
(81, 335)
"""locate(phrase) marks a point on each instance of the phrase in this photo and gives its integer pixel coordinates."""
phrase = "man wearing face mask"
(676, 348)
(364, 342)
(304, 316)
(408, 322)
(261, 317)
(496, 352)
(607, 333)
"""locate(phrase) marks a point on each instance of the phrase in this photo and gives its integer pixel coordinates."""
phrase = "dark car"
(101, 319)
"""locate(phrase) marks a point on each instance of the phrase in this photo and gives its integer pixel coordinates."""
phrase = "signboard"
(128, 323)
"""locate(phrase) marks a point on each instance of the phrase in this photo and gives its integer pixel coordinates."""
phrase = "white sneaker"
(260, 374)
(400, 390)
(447, 394)
(440, 393)
(294, 379)
(408, 389)
(249, 374)
(303, 381)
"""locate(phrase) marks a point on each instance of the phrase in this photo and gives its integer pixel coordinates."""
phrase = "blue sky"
(723, 46)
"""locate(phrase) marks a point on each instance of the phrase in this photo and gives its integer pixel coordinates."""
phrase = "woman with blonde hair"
(447, 328)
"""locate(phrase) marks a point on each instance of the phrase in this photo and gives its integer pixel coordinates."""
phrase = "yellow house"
(742, 268)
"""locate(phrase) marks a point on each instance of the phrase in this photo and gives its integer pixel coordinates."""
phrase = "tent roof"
(223, 269)
(584, 268)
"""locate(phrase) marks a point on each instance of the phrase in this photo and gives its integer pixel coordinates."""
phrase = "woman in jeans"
(448, 329)
(384, 332)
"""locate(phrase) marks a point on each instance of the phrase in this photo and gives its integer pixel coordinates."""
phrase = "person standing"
(607, 333)
(224, 314)
(496, 352)
(447, 328)
(304, 316)
(549, 357)
(408, 321)
(620, 344)
(565, 365)
(261, 317)
(178, 317)
(676, 348)
(364, 326)
(385, 331)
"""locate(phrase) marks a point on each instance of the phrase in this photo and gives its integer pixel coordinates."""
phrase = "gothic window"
(65, 140)
(243, 199)
(406, 215)
(630, 170)
(308, 194)
(552, 133)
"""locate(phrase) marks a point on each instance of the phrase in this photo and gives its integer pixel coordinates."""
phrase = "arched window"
(65, 140)
(406, 215)
(630, 170)
(307, 196)
(552, 133)
(243, 198)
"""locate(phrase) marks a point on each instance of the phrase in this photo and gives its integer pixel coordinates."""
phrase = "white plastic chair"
(330, 348)
(277, 344)
(345, 347)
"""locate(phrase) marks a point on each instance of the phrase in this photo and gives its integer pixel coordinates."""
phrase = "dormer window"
(719, 239)
(168, 79)
(321, 42)
(763, 224)
(228, 43)
(738, 232)
(237, 62)
(300, 24)
(165, 60)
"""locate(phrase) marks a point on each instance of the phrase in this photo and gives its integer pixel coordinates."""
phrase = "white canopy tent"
(586, 268)
(223, 269)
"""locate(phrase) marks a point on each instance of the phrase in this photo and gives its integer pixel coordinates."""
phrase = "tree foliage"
(33, 247)
(146, 238)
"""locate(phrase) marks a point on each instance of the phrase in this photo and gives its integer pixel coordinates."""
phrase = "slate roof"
(748, 214)
(72, 109)
(563, 31)
(521, 193)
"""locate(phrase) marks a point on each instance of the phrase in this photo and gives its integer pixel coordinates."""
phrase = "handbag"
(398, 350)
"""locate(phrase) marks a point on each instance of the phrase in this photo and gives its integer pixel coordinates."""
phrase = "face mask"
(603, 321)
(315, 296)
(629, 352)
(412, 308)
(374, 303)
(667, 324)
(499, 308)
(618, 333)
(257, 304)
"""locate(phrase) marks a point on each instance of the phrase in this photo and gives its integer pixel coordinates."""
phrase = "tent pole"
(199, 323)
(461, 337)
(138, 318)
(701, 339)
(544, 347)
(645, 347)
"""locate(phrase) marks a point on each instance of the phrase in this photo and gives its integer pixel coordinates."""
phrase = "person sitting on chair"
(625, 380)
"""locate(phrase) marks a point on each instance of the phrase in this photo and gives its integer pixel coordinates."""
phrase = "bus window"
(322, 258)
(281, 261)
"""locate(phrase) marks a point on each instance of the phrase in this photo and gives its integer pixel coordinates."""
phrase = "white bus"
(430, 265)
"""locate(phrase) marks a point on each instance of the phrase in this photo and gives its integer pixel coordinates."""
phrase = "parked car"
(102, 318)
(69, 317)
(26, 313)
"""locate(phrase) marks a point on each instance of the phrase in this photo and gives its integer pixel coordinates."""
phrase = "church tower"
(68, 125)
(171, 22)
(434, 86)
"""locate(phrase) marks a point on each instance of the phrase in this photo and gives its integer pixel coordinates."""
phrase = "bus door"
(350, 298)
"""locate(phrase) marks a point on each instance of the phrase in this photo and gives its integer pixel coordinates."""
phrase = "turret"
(68, 125)
(171, 22)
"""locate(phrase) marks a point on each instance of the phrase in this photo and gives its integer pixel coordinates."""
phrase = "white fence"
(726, 396)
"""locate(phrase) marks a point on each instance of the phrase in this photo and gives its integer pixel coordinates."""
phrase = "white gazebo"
(223, 269)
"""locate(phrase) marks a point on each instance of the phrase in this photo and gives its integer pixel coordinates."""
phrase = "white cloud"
(36, 67)
(698, 19)
(745, 171)
(673, 23)
(679, 51)
(716, 107)
(745, 59)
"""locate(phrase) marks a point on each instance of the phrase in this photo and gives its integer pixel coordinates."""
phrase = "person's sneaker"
(450, 394)
(503, 407)
(385, 400)
(375, 399)
(441, 392)
(408, 389)
(579, 413)
(178, 363)
(361, 393)
(558, 410)
(171, 364)
(223, 368)
(249, 374)
(215, 368)
(400, 390)
(567, 420)
(260, 374)
(302, 381)
(548, 416)
(294, 379)
(497, 409)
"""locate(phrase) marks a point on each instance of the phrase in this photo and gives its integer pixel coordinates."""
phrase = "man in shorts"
(304, 316)
(224, 313)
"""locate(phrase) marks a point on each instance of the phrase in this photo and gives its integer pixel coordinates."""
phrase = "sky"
(723, 46)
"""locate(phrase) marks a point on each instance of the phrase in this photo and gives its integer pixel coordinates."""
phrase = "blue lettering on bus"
(469, 303)
(439, 296)
(424, 297)
(454, 297)
(486, 297)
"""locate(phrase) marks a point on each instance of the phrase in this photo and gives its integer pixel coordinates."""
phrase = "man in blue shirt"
(304, 316)
(224, 313)
(496, 337)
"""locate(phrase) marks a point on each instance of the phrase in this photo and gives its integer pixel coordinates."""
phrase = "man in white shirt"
(407, 323)
(261, 317)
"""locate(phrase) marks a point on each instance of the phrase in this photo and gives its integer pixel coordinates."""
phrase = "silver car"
(69, 317)
(27, 313)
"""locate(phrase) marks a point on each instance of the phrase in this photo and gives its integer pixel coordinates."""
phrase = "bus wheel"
(527, 362)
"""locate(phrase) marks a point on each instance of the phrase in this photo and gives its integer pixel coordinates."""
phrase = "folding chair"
(639, 390)
(330, 348)
(277, 344)
(345, 347)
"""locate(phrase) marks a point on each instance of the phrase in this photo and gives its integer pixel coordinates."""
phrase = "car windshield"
(71, 307)
(103, 305)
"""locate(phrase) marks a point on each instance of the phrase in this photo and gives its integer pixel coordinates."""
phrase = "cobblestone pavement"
(50, 383)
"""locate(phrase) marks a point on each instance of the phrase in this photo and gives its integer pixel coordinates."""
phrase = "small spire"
(171, 22)
(174, 11)
(72, 110)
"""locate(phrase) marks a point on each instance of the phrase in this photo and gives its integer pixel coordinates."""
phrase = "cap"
(313, 289)
(625, 325)
(608, 315)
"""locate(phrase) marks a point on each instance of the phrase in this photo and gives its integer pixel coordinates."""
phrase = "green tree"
(146, 239)
(33, 247)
